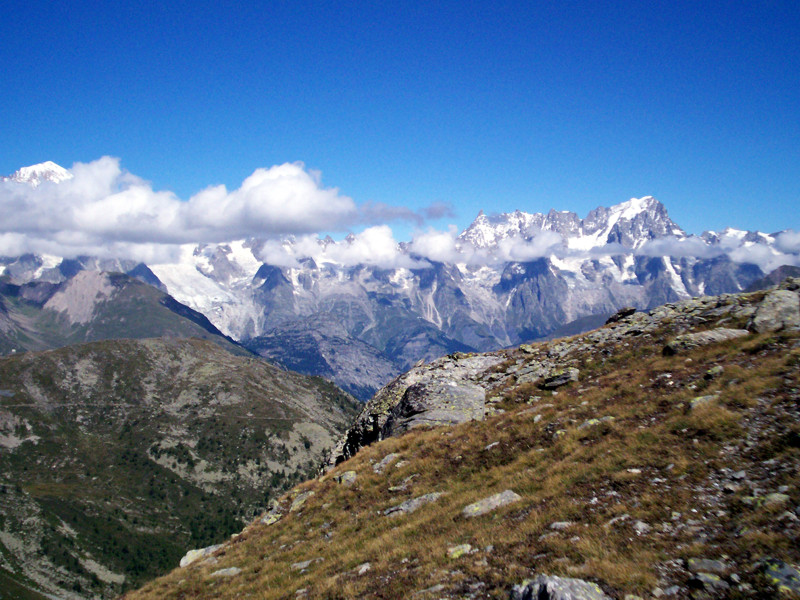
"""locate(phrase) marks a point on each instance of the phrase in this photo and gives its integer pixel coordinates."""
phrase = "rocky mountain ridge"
(656, 457)
(95, 305)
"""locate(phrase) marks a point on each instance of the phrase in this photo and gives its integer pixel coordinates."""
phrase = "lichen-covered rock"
(491, 503)
(785, 577)
(546, 587)
(707, 565)
(271, 518)
(300, 501)
(459, 551)
(688, 341)
(780, 309)
(409, 506)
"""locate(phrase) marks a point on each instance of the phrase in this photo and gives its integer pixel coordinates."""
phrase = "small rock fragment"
(229, 572)
(559, 378)
(195, 555)
(491, 503)
(459, 551)
(347, 478)
(387, 460)
(706, 565)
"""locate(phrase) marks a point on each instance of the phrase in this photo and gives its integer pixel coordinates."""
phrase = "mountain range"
(506, 279)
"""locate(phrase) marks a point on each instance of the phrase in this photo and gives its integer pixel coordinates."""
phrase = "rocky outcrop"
(435, 403)
(442, 392)
(458, 387)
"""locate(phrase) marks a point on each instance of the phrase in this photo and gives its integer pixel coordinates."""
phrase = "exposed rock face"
(435, 403)
(443, 392)
(546, 587)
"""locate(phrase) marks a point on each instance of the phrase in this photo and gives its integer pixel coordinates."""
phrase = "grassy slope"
(659, 461)
(141, 449)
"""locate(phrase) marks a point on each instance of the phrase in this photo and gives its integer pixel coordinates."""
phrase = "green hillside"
(116, 457)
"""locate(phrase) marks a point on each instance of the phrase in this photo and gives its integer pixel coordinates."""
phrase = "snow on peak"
(35, 175)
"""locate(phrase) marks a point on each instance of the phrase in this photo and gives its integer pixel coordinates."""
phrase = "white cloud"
(375, 246)
(439, 246)
(679, 247)
(104, 207)
(517, 249)
(788, 241)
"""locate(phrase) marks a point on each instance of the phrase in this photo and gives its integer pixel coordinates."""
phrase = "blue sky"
(513, 105)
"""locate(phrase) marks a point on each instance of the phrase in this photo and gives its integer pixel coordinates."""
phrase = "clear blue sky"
(494, 106)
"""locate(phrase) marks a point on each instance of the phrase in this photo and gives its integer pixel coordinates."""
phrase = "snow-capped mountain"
(630, 224)
(510, 278)
(35, 175)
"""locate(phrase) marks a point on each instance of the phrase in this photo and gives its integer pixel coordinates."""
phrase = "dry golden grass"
(647, 464)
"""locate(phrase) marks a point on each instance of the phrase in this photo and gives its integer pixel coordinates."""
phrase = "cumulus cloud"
(439, 246)
(107, 212)
(103, 207)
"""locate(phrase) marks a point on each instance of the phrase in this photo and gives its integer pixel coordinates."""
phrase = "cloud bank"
(104, 210)
(107, 212)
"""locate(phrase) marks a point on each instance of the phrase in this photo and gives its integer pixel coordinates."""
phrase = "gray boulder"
(546, 587)
(780, 309)
(409, 506)
(195, 555)
(685, 342)
(491, 503)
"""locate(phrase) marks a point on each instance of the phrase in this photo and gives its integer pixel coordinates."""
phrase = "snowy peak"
(35, 175)
(630, 224)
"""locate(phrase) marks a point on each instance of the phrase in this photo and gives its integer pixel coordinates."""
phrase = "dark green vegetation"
(647, 466)
(116, 457)
(93, 306)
